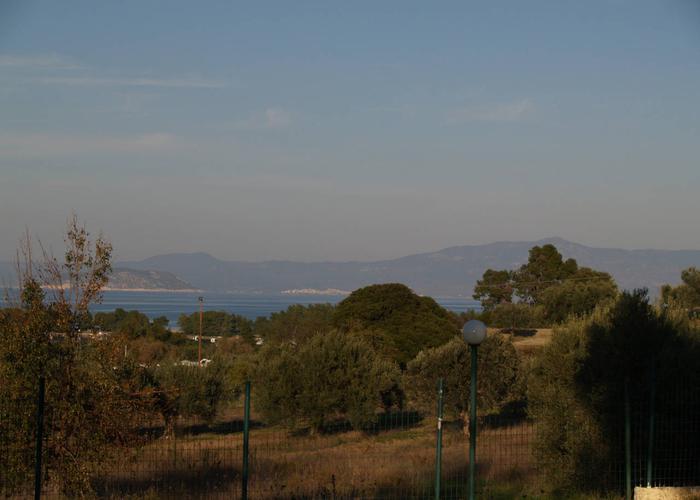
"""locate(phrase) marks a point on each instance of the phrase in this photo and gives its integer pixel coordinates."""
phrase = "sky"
(349, 130)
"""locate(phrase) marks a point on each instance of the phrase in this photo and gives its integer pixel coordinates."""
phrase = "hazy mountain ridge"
(449, 272)
(120, 279)
(137, 279)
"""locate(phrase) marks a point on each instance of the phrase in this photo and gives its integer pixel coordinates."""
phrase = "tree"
(577, 296)
(78, 280)
(133, 324)
(497, 372)
(397, 322)
(216, 323)
(545, 268)
(297, 324)
(687, 294)
(332, 375)
(553, 287)
(494, 288)
(90, 402)
(188, 391)
(576, 388)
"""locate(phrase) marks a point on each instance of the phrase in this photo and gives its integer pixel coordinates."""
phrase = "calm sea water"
(172, 304)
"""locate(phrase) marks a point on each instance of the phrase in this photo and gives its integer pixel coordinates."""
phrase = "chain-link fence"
(394, 458)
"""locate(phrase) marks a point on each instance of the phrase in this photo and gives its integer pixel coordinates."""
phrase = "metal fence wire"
(396, 458)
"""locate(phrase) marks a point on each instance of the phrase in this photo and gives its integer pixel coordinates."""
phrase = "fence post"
(438, 446)
(628, 442)
(472, 427)
(39, 438)
(246, 432)
(652, 408)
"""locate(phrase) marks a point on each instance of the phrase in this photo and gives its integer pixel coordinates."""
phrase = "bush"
(497, 372)
(189, 391)
(333, 375)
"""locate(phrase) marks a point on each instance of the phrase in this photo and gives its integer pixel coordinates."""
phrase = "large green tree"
(396, 321)
(544, 269)
(554, 288)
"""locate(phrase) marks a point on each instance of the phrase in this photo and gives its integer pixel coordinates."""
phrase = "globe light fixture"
(474, 332)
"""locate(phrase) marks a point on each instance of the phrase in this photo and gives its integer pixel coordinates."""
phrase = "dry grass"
(397, 463)
(530, 341)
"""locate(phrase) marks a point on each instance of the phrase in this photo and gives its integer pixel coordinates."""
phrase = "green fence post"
(438, 446)
(652, 408)
(628, 443)
(39, 438)
(472, 428)
(246, 432)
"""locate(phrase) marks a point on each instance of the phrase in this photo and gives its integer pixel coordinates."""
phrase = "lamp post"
(473, 333)
(201, 306)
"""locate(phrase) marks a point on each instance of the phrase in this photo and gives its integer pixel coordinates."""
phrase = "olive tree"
(333, 375)
(497, 372)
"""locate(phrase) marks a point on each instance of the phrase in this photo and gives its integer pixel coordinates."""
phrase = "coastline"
(180, 290)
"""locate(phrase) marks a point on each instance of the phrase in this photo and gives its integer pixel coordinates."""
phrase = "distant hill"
(449, 272)
(121, 279)
(137, 279)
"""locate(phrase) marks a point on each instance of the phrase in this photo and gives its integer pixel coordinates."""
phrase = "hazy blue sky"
(350, 130)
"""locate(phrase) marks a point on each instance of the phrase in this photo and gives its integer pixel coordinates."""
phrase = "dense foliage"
(90, 405)
(333, 375)
(686, 295)
(297, 324)
(133, 324)
(216, 324)
(396, 321)
(497, 373)
(555, 289)
(578, 385)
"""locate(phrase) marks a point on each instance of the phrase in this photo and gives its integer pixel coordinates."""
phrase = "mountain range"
(451, 272)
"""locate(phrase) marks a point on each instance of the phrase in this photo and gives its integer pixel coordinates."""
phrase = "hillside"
(121, 279)
(448, 272)
(136, 279)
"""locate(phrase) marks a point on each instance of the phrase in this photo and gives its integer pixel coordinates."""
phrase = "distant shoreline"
(179, 290)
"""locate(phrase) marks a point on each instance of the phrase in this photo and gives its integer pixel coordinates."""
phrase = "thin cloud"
(55, 69)
(53, 61)
(504, 112)
(41, 145)
(270, 118)
(89, 81)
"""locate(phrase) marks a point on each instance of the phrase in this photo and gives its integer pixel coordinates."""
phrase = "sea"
(172, 304)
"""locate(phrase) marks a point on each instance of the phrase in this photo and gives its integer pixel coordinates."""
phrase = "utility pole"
(201, 307)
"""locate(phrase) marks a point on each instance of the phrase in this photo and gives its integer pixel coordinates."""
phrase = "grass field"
(398, 463)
